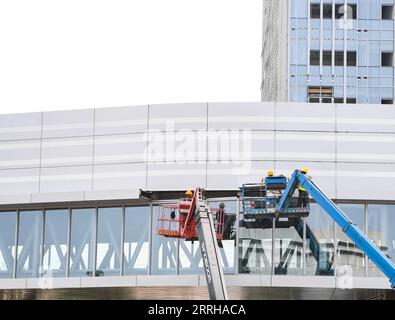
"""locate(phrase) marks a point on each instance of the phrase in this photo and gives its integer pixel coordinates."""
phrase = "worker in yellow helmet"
(189, 194)
(303, 198)
(270, 173)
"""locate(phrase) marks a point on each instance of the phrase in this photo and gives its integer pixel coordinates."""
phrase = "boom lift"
(277, 201)
(263, 205)
(195, 222)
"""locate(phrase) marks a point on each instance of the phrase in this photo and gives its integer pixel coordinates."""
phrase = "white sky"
(93, 53)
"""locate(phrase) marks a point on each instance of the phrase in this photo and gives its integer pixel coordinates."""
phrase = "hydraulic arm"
(195, 222)
(210, 252)
(349, 228)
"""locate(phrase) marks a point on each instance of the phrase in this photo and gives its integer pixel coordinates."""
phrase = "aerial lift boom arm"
(210, 252)
(348, 227)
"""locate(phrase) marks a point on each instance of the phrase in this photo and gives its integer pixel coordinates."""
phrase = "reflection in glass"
(55, 243)
(29, 243)
(350, 259)
(136, 246)
(108, 261)
(164, 250)
(190, 258)
(7, 243)
(82, 242)
(255, 247)
(288, 248)
(381, 230)
(320, 235)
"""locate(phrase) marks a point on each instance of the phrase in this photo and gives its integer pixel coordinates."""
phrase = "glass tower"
(328, 51)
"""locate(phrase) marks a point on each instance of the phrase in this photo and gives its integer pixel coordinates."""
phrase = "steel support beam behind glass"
(16, 244)
(68, 243)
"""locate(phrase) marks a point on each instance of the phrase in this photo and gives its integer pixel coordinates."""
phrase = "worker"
(303, 198)
(188, 194)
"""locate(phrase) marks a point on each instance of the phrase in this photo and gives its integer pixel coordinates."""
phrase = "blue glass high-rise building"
(328, 51)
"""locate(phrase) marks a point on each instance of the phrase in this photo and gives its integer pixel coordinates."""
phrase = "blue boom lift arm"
(349, 228)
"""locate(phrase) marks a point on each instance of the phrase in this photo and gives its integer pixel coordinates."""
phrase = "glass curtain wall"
(83, 242)
(136, 240)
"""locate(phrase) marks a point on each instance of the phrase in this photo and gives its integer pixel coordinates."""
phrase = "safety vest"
(301, 188)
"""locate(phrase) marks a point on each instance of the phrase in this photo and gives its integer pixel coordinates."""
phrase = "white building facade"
(81, 191)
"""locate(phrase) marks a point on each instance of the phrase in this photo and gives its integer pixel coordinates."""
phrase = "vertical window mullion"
(122, 258)
(150, 244)
(68, 243)
(14, 271)
(42, 240)
(94, 266)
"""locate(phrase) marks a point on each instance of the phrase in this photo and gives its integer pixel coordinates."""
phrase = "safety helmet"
(189, 193)
(304, 170)
(270, 173)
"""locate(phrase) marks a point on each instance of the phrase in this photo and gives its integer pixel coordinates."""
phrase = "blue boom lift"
(274, 198)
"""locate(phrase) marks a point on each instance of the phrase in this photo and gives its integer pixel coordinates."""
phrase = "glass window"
(350, 259)
(315, 11)
(108, 251)
(327, 12)
(29, 244)
(350, 11)
(381, 230)
(339, 58)
(255, 247)
(387, 12)
(288, 247)
(55, 242)
(327, 58)
(164, 250)
(190, 258)
(320, 239)
(387, 59)
(7, 243)
(351, 58)
(136, 246)
(82, 243)
(314, 58)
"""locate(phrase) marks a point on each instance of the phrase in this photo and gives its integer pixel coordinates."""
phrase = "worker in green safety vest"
(303, 198)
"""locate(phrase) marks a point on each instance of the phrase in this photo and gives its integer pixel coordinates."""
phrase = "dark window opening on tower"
(351, 58)
(387, 12)
(351, 100)
(339, 58)
(350, 11)
(327, 11)
(387, 101)
(387, 59)
(327, 58)
(315, 11)
(339, 100)
(314, 57)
